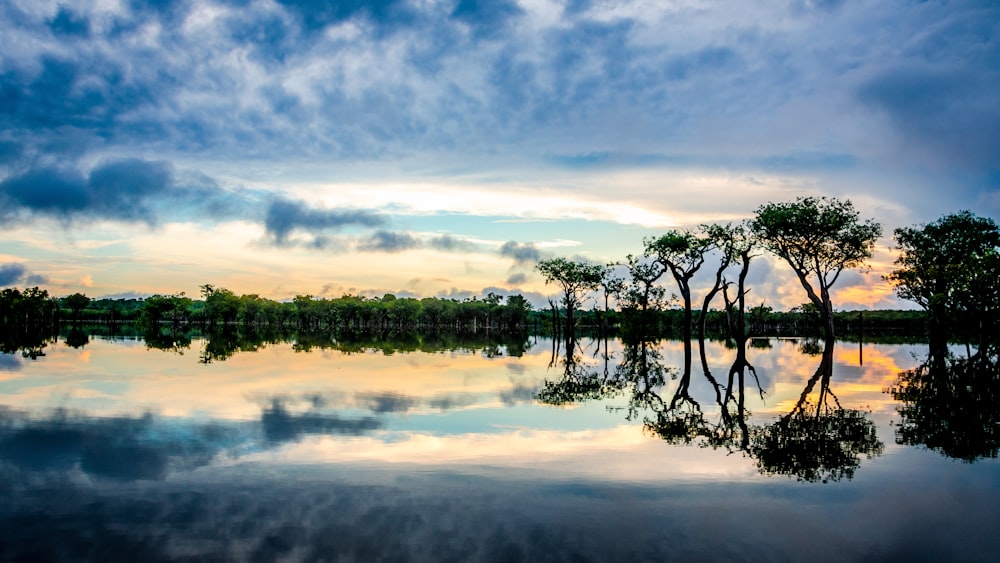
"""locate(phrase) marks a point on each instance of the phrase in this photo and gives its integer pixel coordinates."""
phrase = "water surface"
(444, 450)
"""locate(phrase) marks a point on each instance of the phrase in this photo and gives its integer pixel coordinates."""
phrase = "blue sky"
(426, 147)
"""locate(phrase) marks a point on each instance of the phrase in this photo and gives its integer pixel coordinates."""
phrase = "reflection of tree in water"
(76, 338)
(950, 405)
(220, 345)
(170, 339)
(580, 382)
(490, 344)
(30, 344)
(819, 441)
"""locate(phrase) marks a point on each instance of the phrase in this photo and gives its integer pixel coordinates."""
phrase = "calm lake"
(439, 450)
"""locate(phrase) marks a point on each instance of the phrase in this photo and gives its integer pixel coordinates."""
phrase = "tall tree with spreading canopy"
(682, 253)
(950, 267)
(819, 238)
(575, 277)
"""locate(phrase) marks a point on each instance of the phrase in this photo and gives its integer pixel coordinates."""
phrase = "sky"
(442, 147)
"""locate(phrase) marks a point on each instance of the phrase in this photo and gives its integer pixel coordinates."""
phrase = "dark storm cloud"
(284, 216)
(522, 253)
(13, 273)
(948, 112)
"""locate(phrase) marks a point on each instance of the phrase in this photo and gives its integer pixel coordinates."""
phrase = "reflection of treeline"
(222, 342)
(762, 321)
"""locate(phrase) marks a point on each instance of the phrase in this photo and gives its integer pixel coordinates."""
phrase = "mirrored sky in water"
(136, 452)
(455, 407)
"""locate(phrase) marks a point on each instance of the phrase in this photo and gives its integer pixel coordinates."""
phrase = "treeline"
(34, 309)
(950, 268)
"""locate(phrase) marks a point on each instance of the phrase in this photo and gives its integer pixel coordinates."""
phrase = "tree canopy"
(950, 266)
(819, 238)
(574, 277)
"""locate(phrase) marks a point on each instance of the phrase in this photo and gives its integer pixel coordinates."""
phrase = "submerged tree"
(576, 278)
(819, 238)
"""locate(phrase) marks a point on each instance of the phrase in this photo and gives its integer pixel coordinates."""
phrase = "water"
(445, 450)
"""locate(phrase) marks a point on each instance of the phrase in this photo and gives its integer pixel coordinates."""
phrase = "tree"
(819, 238)
(575, 278)
(221, 304)
(640, 294)
(682, 253)
(950, 267)
(76, 303)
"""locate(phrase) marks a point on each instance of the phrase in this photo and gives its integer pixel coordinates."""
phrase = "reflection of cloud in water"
(119, 448)
(304, 514)
(387, 402)
(516, 368)
(452, 401)
(149, 448)
(519, 394)
(279, 425)
(9, 362)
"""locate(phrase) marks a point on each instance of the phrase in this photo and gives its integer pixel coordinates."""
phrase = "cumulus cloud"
(127, 190)
(522, 253)
(13, 273)
(380, 80)
(283, 216)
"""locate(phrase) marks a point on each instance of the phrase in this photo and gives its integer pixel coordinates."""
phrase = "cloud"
(12, 273)
(522, 253)
(127, 190)
(516, 279)
(388, 241)
(283, 216)
(279, 425)
(948, 113)
(381, 403)
(450, 243)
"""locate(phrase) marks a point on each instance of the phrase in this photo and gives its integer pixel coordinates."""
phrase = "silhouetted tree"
(576, 278)
(819, 238)
(76, 302)
(951, 267)
(640, 295)
(681, 253)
